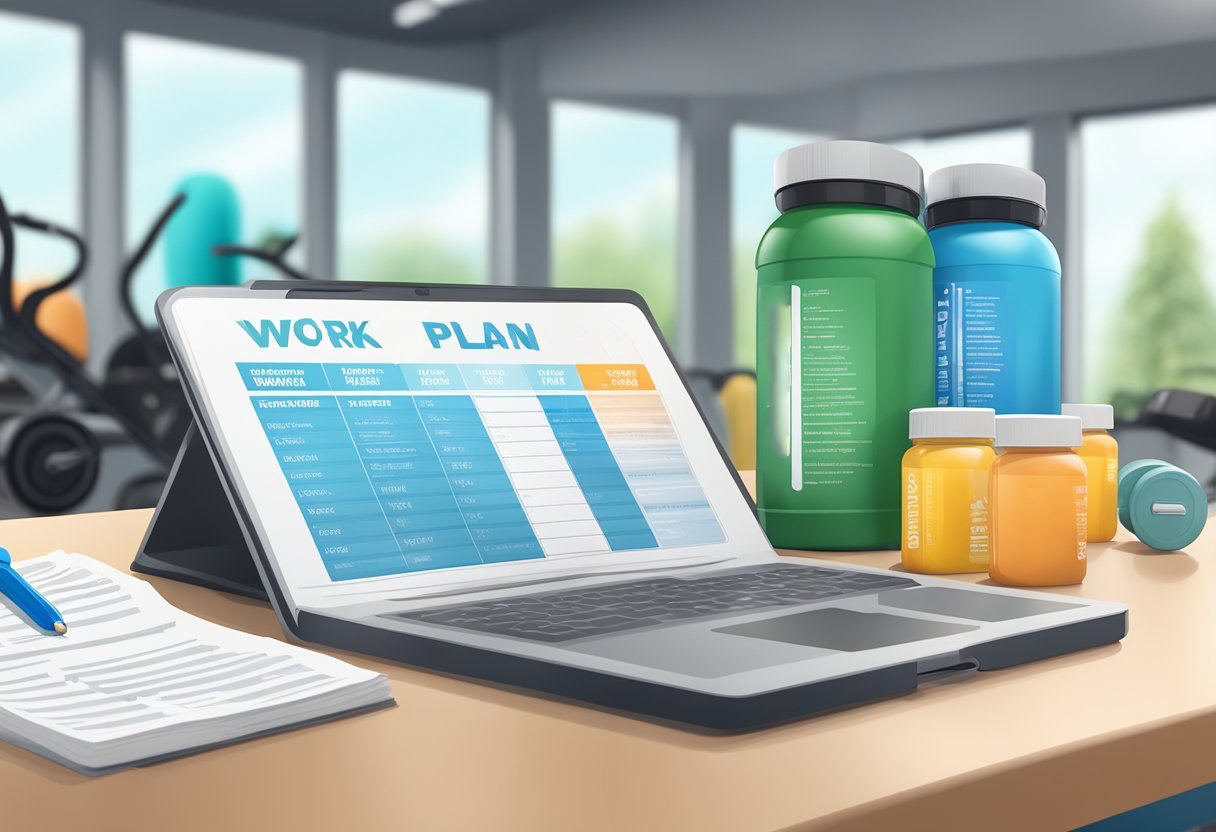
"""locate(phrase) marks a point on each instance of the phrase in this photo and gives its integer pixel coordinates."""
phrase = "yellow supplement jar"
(1037, 502)
(945, 489)
(1100, 452)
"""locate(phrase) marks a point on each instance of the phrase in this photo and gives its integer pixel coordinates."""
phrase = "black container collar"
(867, 192)
(980, 208)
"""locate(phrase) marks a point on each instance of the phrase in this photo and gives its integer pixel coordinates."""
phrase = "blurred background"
(556, 142)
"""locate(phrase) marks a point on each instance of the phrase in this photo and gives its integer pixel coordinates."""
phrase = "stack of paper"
(135, 679)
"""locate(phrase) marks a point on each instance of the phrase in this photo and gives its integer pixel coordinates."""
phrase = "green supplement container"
(844, 344)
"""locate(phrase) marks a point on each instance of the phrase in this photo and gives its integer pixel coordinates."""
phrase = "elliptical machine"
(275, 257)
(49, 460)
(140, 380)
(59, 425)
(62, 446)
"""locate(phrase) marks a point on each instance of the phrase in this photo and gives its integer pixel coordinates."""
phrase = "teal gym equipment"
(210, 217)
(1164, 506)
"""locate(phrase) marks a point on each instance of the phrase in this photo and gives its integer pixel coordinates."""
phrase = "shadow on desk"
(1159, 567)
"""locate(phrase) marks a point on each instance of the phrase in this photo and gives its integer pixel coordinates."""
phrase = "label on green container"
(832, 383)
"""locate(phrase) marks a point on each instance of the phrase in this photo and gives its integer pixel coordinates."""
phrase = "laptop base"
(196, 537)
(689, 709)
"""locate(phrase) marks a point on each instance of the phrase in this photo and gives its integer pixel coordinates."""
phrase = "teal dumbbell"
(1161, 504)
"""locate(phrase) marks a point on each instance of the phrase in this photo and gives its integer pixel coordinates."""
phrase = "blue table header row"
(408, 377)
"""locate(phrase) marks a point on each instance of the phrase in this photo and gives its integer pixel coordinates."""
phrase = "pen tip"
(60, 627)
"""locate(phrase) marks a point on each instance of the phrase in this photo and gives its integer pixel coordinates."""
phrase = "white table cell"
(545, 479)
(508, 450)
(565, 528)
(550, 497)
(533, 434)
(532, 464)
(508, 404)
(555, 514)
(515, 420)
(575, 545)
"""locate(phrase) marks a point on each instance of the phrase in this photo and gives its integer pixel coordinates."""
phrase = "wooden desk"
(1048, 745)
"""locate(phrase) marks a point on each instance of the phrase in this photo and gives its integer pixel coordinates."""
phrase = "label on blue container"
(975, 337)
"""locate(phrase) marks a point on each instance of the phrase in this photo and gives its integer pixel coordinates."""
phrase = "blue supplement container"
(996, 290)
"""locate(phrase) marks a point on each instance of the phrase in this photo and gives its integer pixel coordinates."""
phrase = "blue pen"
(17, 589)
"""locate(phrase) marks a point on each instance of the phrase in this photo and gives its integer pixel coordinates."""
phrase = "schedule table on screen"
(409, 467)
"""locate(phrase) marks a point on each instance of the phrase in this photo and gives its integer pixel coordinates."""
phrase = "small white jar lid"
(952, 423)
(1093, 416)
(1038, 431)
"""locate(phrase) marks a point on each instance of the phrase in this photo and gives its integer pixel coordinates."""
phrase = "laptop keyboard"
(612, 608)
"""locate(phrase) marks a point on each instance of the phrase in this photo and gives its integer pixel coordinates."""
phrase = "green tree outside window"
(1163, 334)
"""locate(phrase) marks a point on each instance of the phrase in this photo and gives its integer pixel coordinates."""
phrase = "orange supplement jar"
(945, 485)
(1037, 502)
(1100, 452)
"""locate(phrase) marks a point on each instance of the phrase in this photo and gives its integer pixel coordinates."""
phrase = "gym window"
(413, 180)
(1148, 254)
(194, 108)
(1003, 146)
(613, 220)
(753, 209)
(40, 99)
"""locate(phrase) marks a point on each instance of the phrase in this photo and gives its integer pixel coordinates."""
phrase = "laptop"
(514, 485)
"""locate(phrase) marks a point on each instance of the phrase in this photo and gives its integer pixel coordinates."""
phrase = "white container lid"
(1038, 431)
(952, 423)
(1006, 181)
(845, 159)
(1093, 416)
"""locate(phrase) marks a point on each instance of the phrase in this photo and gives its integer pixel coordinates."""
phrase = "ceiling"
(474, 20)
(742, 48)
(750, 47)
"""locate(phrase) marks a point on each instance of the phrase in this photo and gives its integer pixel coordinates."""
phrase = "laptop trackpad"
(839, 629)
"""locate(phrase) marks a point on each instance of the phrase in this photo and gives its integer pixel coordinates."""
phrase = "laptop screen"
(384, 447)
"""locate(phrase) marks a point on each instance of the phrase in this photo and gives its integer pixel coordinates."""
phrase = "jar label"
(1082, 508)
(830, 364)
(912, 510)
(977, 530)
(945, 513)
(974, 329)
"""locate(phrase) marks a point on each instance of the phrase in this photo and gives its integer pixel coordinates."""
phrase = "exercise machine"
(273, 256)
(140, 379)
(63, 445)
(1185, 414)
